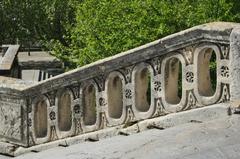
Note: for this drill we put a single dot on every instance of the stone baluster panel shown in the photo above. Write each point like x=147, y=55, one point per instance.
x=165, y=79
x=164, y=84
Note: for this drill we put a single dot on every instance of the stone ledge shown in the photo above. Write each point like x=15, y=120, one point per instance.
x=196, y=115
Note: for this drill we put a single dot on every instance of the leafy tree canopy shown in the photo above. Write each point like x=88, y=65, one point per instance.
x=84, y=31
x=24, y=21
x=104, y=28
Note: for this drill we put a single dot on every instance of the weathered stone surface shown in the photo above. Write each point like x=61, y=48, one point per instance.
x=209, y=136
x=235, y=66
x=14, y=84
x=142, y=83
x=10, y=119
x=13, y=119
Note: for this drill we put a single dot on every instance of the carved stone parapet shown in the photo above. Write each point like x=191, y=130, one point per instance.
x=191, y=69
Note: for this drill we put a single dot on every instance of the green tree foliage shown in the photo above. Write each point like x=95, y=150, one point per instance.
x=36, y=20
x=235, y=10
x=81, y=32
x=108, y=27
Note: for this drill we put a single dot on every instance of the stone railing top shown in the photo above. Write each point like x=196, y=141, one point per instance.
x=8, y=83
x=211, y=32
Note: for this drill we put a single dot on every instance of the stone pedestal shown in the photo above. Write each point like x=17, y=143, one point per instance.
x=235, y=67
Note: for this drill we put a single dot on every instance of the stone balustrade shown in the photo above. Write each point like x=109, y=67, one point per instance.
x=166, y=76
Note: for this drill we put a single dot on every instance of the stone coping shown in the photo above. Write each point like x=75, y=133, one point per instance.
x=211, y=32
x=14, y=83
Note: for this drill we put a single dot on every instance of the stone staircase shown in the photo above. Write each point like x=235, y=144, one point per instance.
x=122, y=90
